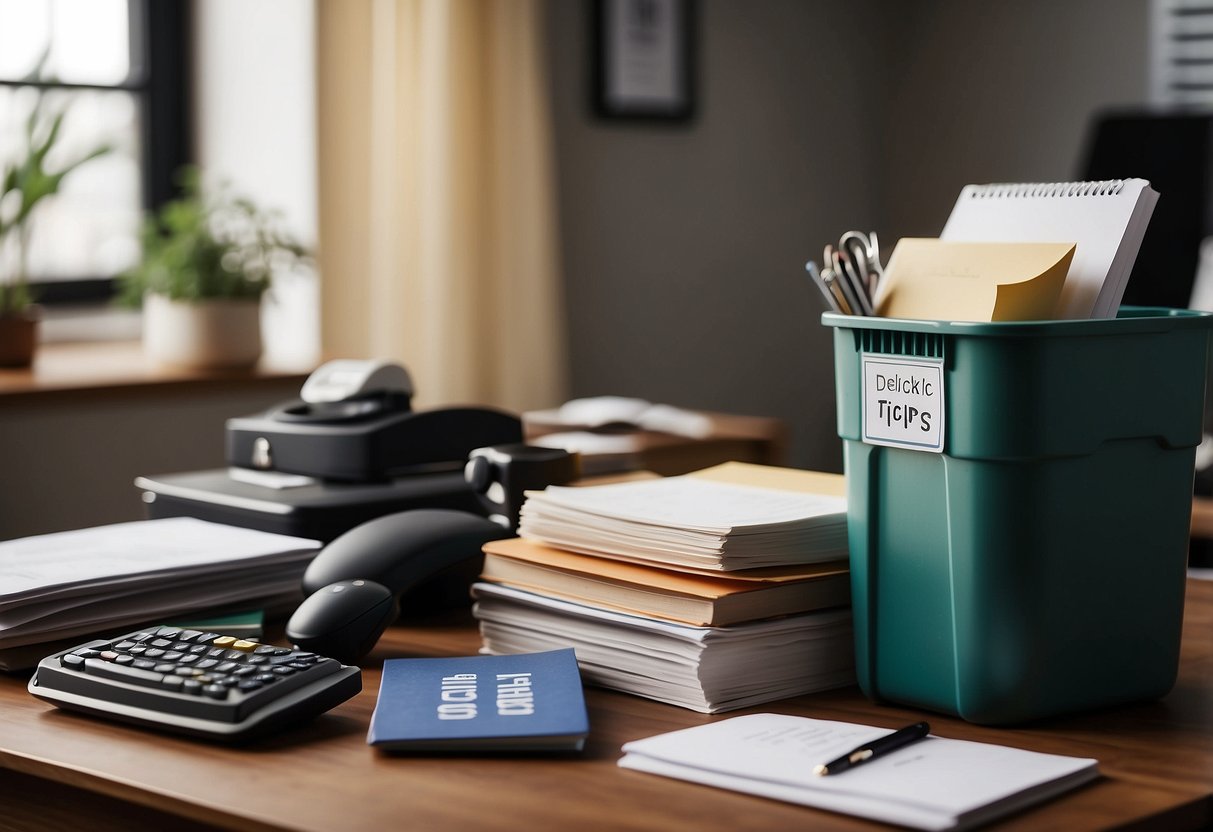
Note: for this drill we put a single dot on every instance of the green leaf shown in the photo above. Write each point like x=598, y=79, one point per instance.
x=209, y=244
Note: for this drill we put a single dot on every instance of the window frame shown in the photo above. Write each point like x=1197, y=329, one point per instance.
x=160, y=82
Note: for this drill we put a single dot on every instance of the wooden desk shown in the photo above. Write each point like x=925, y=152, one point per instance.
x=1156, y=758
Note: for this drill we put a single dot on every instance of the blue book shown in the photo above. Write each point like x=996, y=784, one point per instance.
x=518, y=702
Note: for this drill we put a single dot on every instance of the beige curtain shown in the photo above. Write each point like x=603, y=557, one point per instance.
x=437, y=223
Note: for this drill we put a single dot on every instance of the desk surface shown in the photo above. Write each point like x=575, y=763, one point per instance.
x=1156, y=758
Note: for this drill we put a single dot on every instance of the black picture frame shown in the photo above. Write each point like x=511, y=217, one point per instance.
x=644, y=60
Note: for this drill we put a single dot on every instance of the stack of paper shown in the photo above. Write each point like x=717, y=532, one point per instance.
x=679, y=595
x=77, y=583
x=933, y=784
x=716, y=590
x=706, y=669
x=690, y=521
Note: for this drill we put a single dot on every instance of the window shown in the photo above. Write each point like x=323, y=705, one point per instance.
x=117, y=70
x=1181, y=52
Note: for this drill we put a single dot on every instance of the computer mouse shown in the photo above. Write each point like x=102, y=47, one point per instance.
x=354, y=584
x=401, y=550
x=343, y=620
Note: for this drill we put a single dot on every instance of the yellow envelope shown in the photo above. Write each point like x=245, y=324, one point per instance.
x=937, y=280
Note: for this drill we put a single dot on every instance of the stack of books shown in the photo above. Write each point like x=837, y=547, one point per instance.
x=713, y=591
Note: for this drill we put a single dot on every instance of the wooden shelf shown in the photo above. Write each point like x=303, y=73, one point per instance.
x=69, y=368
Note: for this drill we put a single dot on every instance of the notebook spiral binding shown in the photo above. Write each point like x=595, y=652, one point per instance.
x=1107, y=187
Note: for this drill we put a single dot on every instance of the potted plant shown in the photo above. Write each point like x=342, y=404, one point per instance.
x=25, y=182
x=208, y=259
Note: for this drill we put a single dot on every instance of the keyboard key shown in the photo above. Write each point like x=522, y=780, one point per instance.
x=172, y=682
x=284, y=671
x=199, y=649
x=249, y=684
x=87, y=652
x=143, y=664
x=169, y=632
x=108, y=655
x=227, y=667
x=186, y=672
x=73, y=661
x=225, y=641
x=245, y=646
x=124, y=645
x=137, y=651
x=215, y=652
x=254, y=660
x=173, y=655
x=206, y=638
x=189, y=658
x=153, y=653
x=161, y=642
x=109, y=670
x=235, y=655
x=124, y=659
x=267, y=649
x=141, y=637
x=189, y=635
x=206, y=663
x=165, y=667
x=215, y=691
x=191, y=686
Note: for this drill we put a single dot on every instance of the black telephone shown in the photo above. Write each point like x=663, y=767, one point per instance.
x=354, y=422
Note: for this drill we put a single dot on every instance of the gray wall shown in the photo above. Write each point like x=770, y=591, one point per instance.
x=683, y=247
x=999, y=92
x=70, y=459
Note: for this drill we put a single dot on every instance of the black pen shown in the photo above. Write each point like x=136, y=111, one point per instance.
x=875, y=748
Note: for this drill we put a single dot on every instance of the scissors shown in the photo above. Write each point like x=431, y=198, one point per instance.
x=864, y=252
x=844, y=278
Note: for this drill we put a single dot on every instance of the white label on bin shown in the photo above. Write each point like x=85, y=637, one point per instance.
x=903, y=402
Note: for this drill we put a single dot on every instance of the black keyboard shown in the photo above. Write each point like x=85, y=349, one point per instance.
x=188, y=681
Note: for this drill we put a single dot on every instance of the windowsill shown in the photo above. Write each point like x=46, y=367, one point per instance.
x=91, y=323
x=79, y=367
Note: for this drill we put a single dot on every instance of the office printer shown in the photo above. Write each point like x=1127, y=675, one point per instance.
x=350, y=449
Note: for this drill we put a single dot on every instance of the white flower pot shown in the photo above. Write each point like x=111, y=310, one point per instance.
x=208, y=334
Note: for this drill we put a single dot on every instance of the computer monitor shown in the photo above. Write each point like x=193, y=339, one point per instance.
x=1174, y=151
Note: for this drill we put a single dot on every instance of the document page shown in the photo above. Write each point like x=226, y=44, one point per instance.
x=696, y=504
x=34, y=566
x=934, y=783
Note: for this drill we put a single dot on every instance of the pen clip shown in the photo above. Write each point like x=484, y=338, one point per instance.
x=880, y=746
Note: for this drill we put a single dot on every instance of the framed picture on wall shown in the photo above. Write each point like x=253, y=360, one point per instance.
x=644, y=66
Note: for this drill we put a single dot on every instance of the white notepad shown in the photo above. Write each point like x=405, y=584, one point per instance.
x=937, y=784
x=1106, y=220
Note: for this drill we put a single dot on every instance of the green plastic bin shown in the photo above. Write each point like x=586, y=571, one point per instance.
x=1019, y=515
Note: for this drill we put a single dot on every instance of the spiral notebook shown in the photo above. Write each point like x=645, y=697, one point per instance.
x=1106, y=220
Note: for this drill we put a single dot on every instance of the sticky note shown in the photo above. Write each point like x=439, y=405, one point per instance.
x=951, y=281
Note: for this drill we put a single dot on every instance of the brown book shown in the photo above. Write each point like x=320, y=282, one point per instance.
x=675, y=595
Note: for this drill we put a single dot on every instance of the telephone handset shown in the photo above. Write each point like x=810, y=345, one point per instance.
x=349, y=389
x=349, y=378
x=354, y=423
